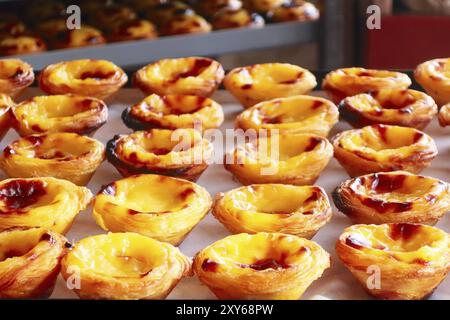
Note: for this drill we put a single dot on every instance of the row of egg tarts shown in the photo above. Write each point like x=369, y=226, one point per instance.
x=413, y=258
x=209, y=264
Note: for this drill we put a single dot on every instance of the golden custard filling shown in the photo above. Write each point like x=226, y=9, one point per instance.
x=405, y=243
x=15, y=75
x=125, y=266
x=191, y=76
x=284, y=158
x=60, y=113
x=298, y=114
x=434, y=77
x=382, y=142
x=173, y=112
x=44, y=202
x=261, y=82
x=405, y=107
x=273, y=208
x=260, y=266
x=160, y=207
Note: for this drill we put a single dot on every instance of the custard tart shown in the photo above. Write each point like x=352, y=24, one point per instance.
x=76, y=38
x=295, y=11
x=30, y=260
x=411, y=260
x=6, y=104
x=159, y=207
x=260, y=82
x=382, y=148
x=189, y=76
x=393, y=197
x=185, y=24
x=110, y=16
x=15, y=76
x=348, y=82
x=212, y=7
x=444, y=115
x=434, y=77
x=402, y=107
x=93, y=78
x=263, y=266
x=137, y=29
x=41, y=202
x=296, y=159
x=181, y=153
x=300, y=211
x=237, y=18
x=21, y=44
x=163, y=12
x=66, y=156
x=297, y=114
x=264, y=5
x=174, y=112
x=59, y=113
x=124, y=266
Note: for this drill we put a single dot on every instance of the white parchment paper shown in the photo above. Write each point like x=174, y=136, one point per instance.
x=336, y=283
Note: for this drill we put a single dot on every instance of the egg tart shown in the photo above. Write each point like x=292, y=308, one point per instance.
x=260, y=82
x=15, y=76
x=296, y=159
x=444, y=115
x=185, y=24
x=348, y=82
x=412, y=259
x=182, y=153
x=93, y=78
x=21, y=44
x=109, y=16
x=212, y=7
x=59, y=113
x=137, y=29
x=237, y=18
x=30, y=260
x=434, y=77
x=41, y=202
x=61, y=155
x=159, y=207
x=402, y=107
x=173, y=112
x=76, y=38
x=298, y=114
x=163, y=12
x=393, y=197
x=125, y=266
x=381, y=148
x=263, y=6
x=263, y=266
x=300, y=211
x=6, y=104
x=189, y=76
x=295, y=11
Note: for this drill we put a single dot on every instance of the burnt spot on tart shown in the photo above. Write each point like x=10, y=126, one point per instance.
x=313, y=143
x=404, y=231
x=20, y=193
x=294, y=80
x=199, y=66
x=96, y=75
x=357, y=242
x=265, y=264
x=209, y=265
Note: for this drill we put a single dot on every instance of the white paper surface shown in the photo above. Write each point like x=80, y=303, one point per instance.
x=336, y=283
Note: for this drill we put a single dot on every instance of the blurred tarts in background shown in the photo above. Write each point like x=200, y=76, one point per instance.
x=93, y=78
x=444, y=115
x=263, y=266
x=381, y=148
x=125, y=266
x=59, y=113
x=393, y=197
x=182, y=153
x=30, y=260
x=300, y=211
x=61, y=155
x=260, y=82
x=196, y=76
x=412, y=259
x=434, y=77
x=41, y=202
x=15, y=76
x=160, y=207
x=173, y=112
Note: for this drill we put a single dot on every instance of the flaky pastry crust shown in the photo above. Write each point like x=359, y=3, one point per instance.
x=434, y=77
x=6, y=104
x=15, y=76
x=444, y=115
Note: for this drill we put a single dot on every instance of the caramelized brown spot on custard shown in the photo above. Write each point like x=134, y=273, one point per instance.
x=247, y=86
x=34, y=140
x=96, y=75
x=209, y=265
x=357, y=242
x=48, y=238
x=383, y=183
x=313, y=143
x=382, y=131
x=316, y=104
x=199, y=66
x=417, y=136
x=266, y=264
x=294, y=80
x=18, y=194
x=404, y=231
x=383, y=206
x=186, y=193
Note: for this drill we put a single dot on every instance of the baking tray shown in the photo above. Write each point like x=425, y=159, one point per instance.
x=336, y=282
